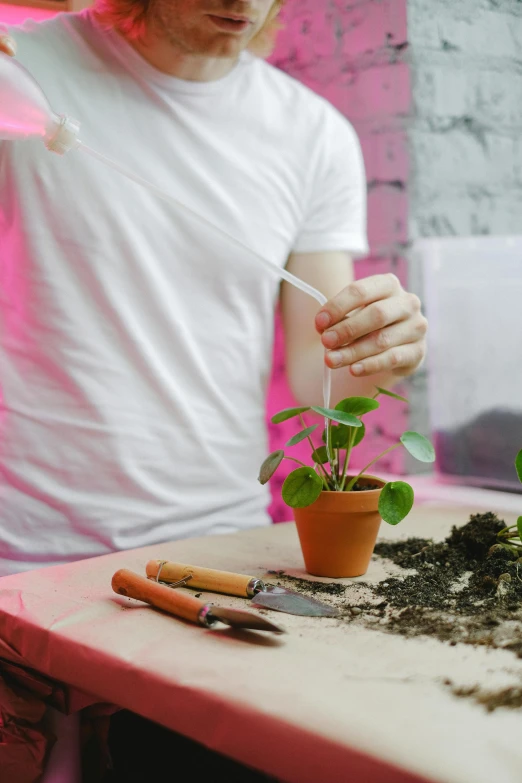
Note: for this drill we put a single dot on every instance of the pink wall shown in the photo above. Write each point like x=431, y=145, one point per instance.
x=352, y=55
x=15, y=14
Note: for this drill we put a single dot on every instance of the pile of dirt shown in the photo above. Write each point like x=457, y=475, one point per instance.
x=465, y=589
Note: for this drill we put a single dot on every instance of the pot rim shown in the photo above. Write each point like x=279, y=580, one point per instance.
x=368, y=491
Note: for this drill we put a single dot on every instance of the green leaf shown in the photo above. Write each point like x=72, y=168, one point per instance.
x=301, y=435
x=339, y=436
x=395, y=501
x=359, y=435
x=519, y=527
x=391, y=394
x=341, y=433
x=270, y=465
x=338, y=416
x=418, y=446
x=287, y=413
x=518, y=465
x=320, y=456
x=357, y=406
x=301, y=488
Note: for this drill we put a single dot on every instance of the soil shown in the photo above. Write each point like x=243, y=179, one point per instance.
x=466, y=589
x=491, y=700
x=316, y=589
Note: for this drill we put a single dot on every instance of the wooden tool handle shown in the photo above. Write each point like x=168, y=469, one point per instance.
x=133, y=585
x=202, y=578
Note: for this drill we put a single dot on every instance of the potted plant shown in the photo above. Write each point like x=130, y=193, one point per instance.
x=337, y=514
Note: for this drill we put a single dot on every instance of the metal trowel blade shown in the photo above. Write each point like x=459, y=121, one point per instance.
x=282, y=600
x=239, y=619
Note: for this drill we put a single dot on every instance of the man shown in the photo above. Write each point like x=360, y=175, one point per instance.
x=136, y=341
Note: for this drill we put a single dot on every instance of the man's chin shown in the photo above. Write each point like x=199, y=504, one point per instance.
x=229, y=49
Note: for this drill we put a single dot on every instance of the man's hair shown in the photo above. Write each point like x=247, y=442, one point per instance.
x=130, y=18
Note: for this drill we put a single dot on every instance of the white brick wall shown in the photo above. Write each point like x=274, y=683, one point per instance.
x=468, y=27
x=465, y=128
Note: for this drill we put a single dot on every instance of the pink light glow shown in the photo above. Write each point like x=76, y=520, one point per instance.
x=16, y=14
x=309, y=47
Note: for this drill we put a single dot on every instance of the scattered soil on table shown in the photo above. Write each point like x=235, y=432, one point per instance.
x=465, y=589
x=315, y=589
x=491, y=700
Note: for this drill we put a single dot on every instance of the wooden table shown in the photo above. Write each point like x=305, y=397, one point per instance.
x=327, y=702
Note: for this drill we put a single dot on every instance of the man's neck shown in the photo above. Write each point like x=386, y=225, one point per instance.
x=165, y=57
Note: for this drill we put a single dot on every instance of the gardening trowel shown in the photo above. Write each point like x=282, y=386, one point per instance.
x=131, y=585
x=261, y=593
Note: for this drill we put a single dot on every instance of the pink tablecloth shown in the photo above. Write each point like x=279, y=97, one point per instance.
x=326, y=702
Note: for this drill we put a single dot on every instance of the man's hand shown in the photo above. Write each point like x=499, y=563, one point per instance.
x=373, y=326
x=7, y=43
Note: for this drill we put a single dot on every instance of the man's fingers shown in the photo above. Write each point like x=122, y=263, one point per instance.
x=357, y=294
x=402, y=360
x=402, y=333
x=375, y=316
x=7, y=42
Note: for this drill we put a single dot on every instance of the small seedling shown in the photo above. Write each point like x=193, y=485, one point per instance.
x=511, y=537
x=344, y=430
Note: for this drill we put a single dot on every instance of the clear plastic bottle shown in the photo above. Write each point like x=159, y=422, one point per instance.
x=25, y=111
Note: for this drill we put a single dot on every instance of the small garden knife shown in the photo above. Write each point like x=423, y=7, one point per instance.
x=131, y=585
x=262, y=594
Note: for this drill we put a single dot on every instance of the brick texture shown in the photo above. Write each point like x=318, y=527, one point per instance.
x=465, y=129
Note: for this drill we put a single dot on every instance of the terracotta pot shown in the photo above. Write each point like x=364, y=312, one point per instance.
x=338, y=532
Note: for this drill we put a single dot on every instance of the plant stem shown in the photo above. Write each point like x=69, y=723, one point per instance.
x=329, y=454
x=326, y=486
x=349, y=447
x=506, y=530
x=513, y=542
x=510, y=537
x=345, y=466
x=387, y=451
x=296, y=460
x=305, y=466
x=309, y=439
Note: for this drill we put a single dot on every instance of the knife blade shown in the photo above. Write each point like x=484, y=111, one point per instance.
x=261, y=593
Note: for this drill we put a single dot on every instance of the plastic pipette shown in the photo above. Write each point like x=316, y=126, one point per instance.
x=25, y=112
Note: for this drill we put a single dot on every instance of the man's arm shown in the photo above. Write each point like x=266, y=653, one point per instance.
x=381, y=340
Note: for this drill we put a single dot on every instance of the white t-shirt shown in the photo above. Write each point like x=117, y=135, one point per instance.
x=135, y=341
